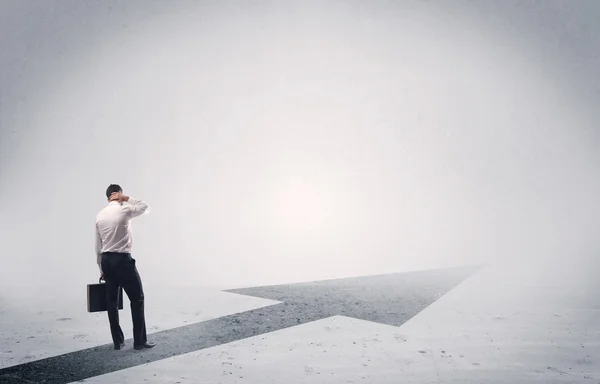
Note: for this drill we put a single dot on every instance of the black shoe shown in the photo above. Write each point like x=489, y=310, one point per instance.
x=119, y=346
x=144, y=346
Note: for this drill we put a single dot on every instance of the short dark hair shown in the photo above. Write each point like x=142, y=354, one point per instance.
x=112, y=189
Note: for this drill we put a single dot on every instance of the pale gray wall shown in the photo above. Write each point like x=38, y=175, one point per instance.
x=286, y=141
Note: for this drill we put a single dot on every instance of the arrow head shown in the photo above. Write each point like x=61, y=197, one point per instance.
x=390, y=299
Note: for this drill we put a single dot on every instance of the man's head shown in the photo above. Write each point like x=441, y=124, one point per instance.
x=113, y=189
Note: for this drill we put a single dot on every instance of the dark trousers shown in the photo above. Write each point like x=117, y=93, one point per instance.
x=119, y=270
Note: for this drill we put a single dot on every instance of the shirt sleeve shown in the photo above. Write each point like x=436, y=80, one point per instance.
x=137, y=207
x=98, y=249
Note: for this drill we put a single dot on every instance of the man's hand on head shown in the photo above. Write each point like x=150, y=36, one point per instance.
x=118, y=196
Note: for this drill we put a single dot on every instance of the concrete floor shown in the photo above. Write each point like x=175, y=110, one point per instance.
x=500, y=325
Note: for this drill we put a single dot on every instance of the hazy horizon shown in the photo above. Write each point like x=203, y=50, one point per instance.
x=291, y=141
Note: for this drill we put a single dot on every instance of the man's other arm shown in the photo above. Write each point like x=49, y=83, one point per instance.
x=98, y=249
x=136, y=207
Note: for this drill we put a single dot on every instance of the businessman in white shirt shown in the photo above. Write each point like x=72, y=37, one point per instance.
x=117, y=267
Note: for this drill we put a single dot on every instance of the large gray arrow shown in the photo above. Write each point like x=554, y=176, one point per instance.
x=389, y=299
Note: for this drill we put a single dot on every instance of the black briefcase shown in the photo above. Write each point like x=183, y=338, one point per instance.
x=96, y=297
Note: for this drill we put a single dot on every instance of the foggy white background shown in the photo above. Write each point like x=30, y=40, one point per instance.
x=298, y=140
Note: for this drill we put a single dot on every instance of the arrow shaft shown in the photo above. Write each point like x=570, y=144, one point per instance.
x=104, y=359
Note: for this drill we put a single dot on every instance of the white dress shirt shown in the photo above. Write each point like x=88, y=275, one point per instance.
x=113, y=226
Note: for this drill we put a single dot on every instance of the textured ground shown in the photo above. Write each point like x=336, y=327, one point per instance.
x=498, y=326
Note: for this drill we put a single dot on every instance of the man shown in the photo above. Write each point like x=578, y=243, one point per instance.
x=117, y=267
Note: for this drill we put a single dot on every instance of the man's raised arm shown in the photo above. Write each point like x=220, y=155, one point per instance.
x=137, y=207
